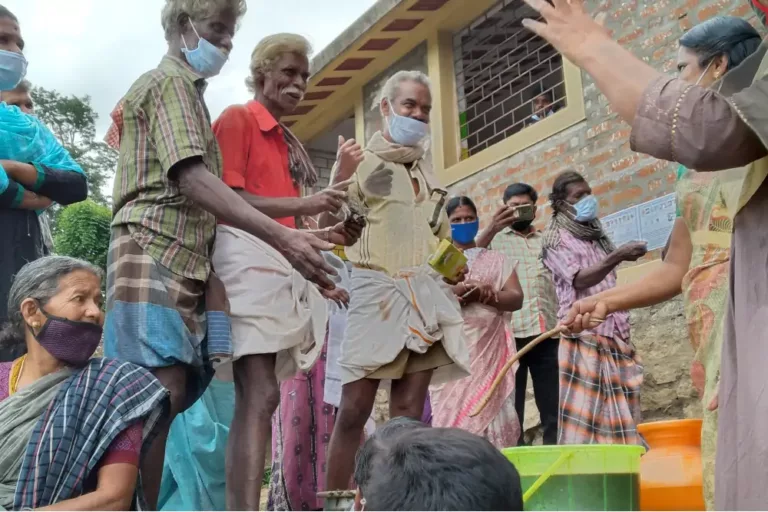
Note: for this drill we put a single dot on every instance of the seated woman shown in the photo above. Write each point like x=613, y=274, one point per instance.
x=488, y=297
x=71, y=427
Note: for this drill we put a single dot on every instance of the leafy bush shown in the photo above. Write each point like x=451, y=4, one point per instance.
x=83, y=232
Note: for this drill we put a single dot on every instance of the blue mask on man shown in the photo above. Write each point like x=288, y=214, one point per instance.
x=465, y=232
x=13, y=69
x=206, y=59
x=586, y=209
x=406, y=131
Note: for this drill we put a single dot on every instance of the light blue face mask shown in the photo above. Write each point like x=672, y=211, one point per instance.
x=586, y=209
x=206, y=59
x=405, y=130
x=13, y=69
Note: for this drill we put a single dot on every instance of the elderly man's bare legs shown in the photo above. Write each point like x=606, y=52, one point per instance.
x=257, y=396
x=174, y=379
x=407, y=398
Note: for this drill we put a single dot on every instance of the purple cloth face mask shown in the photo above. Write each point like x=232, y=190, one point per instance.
x=68, y=341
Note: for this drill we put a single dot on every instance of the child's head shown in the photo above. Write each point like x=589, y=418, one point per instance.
x=412, y=467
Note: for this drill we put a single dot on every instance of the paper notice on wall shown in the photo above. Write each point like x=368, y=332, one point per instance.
x=622, y=227
x=649, y=222
x=657, y=217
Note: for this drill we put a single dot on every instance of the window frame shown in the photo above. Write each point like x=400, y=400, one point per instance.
x=445, y=119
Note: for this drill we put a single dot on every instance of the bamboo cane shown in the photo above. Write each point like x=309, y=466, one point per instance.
x=547, y=335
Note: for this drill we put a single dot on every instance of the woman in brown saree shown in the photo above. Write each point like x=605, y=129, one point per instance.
x=716, y=129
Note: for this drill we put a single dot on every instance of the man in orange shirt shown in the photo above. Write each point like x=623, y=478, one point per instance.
x=278, y=318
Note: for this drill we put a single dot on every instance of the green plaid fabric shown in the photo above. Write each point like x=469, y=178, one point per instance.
x=165, y=121
x=539, y=311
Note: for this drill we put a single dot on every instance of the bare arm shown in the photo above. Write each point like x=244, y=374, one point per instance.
x=275, y=207
x=114, y=491
x=661, y=284
x=594, y=275
x=214, y=196
x=687, y=124
x=510, y=297
x=486, y=236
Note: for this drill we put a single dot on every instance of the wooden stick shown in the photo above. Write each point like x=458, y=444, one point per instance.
x=547, y=335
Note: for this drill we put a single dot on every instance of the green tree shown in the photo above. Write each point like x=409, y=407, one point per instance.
x=83, y=232
x=73, y=121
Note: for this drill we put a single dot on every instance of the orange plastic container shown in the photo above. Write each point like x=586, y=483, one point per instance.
x=670, y=473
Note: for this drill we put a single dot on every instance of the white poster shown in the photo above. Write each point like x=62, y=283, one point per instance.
x=649, y=222
x=657, y=217
x=622, y=227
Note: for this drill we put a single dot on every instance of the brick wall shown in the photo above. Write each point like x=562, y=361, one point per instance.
x=323, y=162
x=599, y=149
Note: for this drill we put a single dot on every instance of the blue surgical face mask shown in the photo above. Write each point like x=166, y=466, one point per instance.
x=206, y=59
x=406, y=131
x=465, y=233
x=586, y=209
x=13, y=69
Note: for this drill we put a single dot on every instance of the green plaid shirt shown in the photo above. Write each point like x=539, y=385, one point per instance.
x=539, y=311
x=165, y=121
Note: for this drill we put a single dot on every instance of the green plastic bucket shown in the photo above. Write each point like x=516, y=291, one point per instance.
x=579, y=477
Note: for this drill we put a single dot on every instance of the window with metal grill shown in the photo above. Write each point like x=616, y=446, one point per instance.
x=507, y=78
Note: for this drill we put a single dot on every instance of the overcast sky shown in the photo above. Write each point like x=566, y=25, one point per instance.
x=99, y=47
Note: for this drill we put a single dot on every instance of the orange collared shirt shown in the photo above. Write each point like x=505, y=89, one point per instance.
x=255, y=153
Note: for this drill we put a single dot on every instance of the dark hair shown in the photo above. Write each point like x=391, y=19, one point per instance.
x=521, y=189
x=380, y=440
x=5, y=13
x=560, y=187
x=457, y=201
x=730, y=36
x=548, y=95
x=442, y=469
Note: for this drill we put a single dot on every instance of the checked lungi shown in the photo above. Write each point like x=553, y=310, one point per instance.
x=600, y=380
x=156, y=318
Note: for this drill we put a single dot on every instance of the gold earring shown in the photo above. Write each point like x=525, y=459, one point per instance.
x=35, y=325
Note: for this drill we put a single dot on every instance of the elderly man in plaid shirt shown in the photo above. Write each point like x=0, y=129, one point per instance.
x=166, y=310
x=519, y=241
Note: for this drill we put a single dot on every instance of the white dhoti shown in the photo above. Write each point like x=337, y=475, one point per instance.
x=273, y=309
x=408, y=316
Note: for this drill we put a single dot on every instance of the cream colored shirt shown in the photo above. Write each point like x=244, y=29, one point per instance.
x=398, y=234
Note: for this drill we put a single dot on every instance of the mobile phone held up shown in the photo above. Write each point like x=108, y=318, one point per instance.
x=523, y=212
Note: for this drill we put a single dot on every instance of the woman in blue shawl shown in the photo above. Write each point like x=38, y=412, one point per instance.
x=35, y=171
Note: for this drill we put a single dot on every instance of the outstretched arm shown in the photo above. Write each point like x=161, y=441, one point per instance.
x=671, y=119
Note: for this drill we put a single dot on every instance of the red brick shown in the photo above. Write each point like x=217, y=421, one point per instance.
x=635, y=34
x=598, y=129
x=625, y=163
x=626, y=9
x=628, y=195
x=554, y=152
x=712, y=10
x=659, y=54
x=601, y=158
x=604, y=188
x=685, y=24
x=621, y=135
x=742, y=10
x=658, y=39
x=653, y=9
